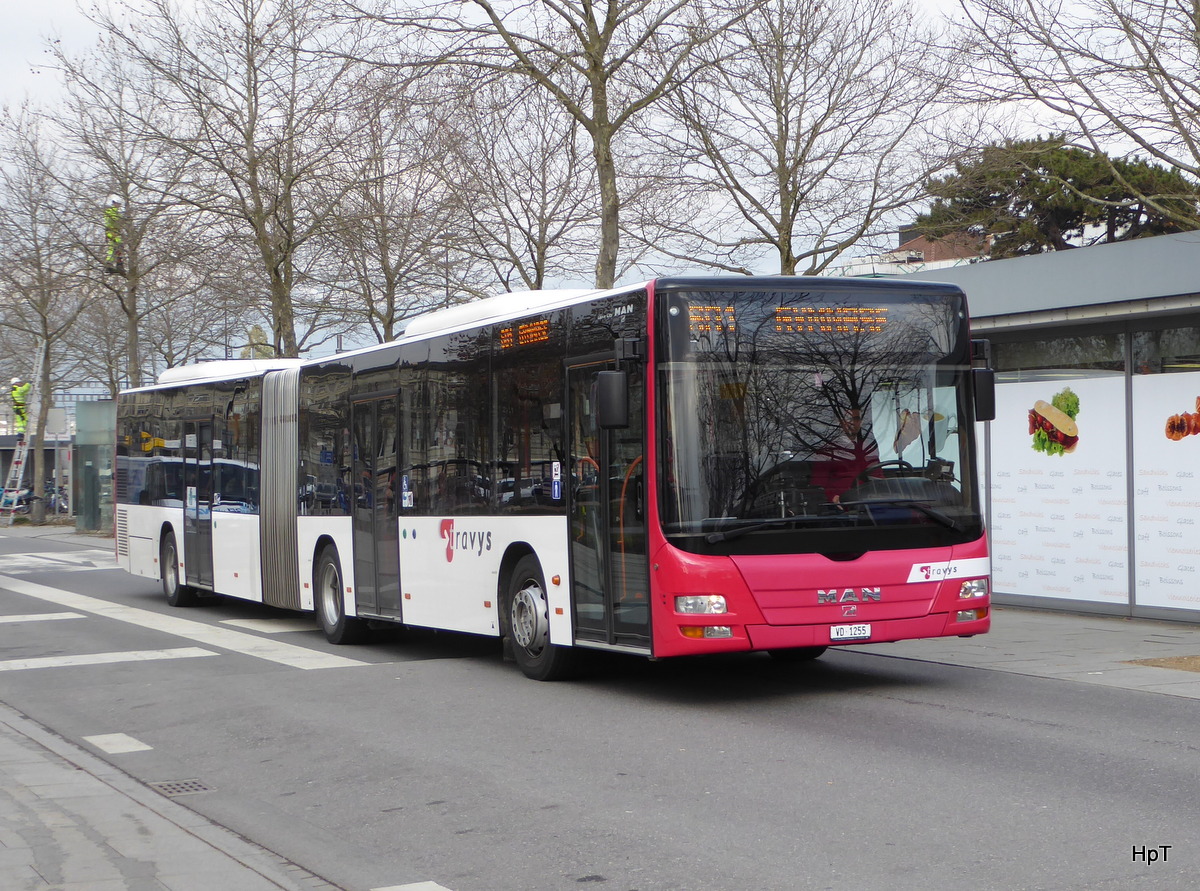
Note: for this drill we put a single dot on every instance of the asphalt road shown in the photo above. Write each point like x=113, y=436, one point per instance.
x=427, y=758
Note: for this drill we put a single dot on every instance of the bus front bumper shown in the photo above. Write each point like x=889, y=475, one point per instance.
x=962, y=623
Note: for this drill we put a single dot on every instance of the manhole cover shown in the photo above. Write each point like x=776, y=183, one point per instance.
x=171, y=788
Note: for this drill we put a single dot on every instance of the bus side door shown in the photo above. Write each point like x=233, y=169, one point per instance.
x=605, y=480
x=197, y=505
x=375, y=493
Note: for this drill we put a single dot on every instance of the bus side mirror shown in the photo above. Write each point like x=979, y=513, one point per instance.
x=984, y=384
x=612, y=399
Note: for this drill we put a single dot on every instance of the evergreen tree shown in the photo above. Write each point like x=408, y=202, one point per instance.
x=1039, y=195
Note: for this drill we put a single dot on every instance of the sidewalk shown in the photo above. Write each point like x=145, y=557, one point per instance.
x=1137, y=654
x=71, y=821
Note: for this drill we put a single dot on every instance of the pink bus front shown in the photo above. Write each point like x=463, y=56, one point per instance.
x=812, y=460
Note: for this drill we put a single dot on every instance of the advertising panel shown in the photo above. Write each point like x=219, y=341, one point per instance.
x=1166, y=501
x=1059, y=490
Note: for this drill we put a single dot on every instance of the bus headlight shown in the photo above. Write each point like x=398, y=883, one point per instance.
x=973, y=588
x=703, y=604
x=706, y=632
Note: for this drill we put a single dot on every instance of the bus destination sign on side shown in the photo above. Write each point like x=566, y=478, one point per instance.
x=524, y=334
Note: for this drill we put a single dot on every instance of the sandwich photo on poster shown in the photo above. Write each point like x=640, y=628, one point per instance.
x=1052, y=424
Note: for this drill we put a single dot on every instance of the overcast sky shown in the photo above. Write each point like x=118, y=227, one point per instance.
x=26, y=25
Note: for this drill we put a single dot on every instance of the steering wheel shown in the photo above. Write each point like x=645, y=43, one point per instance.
x=866, y=472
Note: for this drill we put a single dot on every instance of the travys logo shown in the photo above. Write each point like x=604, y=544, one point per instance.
x=473, y=542
x=950, y=569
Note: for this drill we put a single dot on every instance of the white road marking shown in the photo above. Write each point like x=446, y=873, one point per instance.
x=210, y=635
x=117, y=743
x=273, y=626
x=67, y=561
x=414, y=886
x=39, y=617
x=103, y=658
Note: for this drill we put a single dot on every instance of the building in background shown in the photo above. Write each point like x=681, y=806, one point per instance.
x=916, y=254
x=1109, y=523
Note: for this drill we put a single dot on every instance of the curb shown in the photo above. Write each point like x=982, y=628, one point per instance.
x=268, y=866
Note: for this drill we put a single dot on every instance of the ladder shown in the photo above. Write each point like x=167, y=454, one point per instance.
x=12, y=485
x=16, y=470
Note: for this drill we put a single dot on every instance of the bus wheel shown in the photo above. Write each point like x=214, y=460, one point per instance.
x=797, y=654
x=529, y=625
x=330, y=604
x=178, y=594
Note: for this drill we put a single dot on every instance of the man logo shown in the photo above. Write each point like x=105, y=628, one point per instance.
x=849, y=595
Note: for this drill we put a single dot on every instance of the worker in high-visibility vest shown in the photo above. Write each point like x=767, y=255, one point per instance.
x=114, y=258
x=20, y=402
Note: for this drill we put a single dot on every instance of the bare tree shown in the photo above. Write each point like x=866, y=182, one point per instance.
x=391, y=248
x=247, y=92
x=161, y=241
x=603, y=63
x=215, y=323
x=808, y=128
x=526, y=185
x=99, y=348
x=41, y=273
x=1120, y=74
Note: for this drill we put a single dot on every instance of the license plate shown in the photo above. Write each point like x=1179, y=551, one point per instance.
x=850, y=632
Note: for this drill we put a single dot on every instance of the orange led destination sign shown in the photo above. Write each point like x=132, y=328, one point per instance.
x=722, y=319
x=525, y=334
x=709, y=319
x=830, y=319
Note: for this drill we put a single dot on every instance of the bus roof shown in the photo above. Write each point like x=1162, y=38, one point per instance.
x=514, y=305
x=491, y=309
x=222, y=369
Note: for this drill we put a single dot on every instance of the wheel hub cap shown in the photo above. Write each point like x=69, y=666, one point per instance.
x=529, y=619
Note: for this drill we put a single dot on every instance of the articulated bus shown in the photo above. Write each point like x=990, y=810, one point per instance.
x=686, y=466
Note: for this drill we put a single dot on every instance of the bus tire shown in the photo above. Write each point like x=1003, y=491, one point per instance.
x=329, y=602
x=797, y=654
x=527, y=611
x=178, y=594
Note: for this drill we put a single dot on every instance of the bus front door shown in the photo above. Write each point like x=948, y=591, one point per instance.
x=197, y=505
x=609, y=573
x=375, y=507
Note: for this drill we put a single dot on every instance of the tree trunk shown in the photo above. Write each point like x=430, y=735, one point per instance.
x=610, y=207
x=283, y=321
x=133, y=344
x=787, y=257
x=37, y=513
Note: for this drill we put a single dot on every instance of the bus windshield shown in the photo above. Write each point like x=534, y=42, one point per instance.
x=820, y=419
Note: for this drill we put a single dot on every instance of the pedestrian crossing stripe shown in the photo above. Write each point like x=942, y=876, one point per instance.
x=77, y=659
x=197, y=632
x=67, y=561
x=38, y=617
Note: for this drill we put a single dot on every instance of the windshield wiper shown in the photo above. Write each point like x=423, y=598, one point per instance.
x=739, y=531
x=929, y=511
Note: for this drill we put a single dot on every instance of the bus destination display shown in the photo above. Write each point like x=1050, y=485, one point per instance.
x=717, y=319
x=525, y=334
